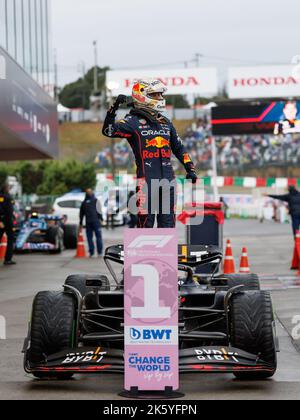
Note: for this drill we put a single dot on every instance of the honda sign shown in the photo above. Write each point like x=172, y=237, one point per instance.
x=198, y=81
x=263, y=82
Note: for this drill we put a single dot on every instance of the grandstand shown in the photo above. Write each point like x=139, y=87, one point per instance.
x=236, y=155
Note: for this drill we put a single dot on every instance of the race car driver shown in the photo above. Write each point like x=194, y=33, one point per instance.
x=152, y=138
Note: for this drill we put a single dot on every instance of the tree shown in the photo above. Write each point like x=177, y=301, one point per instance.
x=30, y=175
x=61, y=177
x=177, y=101
x=3, y=174
x=77, y=94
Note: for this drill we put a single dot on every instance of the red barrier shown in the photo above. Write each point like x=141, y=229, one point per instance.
x=209, y=209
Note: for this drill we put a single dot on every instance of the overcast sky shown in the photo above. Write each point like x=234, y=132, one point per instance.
x=136, y=33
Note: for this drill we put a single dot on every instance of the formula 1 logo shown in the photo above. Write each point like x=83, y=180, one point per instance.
x=155, y=240
x=84, y=357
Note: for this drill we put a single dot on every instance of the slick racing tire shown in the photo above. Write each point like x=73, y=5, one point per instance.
x=55, y=237
x=70, y=236
x=78, y=281
x=52, y=328
x=249, y=281
x=252, y=329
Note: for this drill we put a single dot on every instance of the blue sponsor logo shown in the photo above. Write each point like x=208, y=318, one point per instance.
x=150, y=364
x=150, y=334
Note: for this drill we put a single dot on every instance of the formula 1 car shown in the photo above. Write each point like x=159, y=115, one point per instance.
x=226, y=323
x=46, y=233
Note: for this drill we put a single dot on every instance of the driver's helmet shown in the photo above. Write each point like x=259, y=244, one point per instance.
x=143, y=91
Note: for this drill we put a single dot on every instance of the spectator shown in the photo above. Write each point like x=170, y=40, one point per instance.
x=234, y=152
x=6, y=222
x=293, y=200
x=90, y=211
x=225, y=207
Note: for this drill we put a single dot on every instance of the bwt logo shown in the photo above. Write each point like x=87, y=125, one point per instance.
x=157, y=241
x=2, y=328
x=150, y=334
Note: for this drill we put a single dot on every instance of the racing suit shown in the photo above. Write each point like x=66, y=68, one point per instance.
x=152, y=138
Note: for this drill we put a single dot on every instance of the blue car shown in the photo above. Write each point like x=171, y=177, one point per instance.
x=46, y=233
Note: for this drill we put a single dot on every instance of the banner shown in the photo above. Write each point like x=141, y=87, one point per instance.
x=28, y=116
x=151, y=309
x=264, y=82
x=278, y=118
x=196, y=81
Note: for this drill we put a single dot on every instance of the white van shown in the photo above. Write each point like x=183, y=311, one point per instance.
x=69, y=205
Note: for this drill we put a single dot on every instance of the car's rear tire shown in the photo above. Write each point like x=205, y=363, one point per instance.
x=252, y=329
x=70, y=236
x=52, y=328
x=78, y=281
x=249, y=281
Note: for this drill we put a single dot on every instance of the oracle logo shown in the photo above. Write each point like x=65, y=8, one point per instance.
x=171, y=81
x=265, y=81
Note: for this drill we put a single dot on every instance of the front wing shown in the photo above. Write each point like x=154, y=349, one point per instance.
x=204, y=359
x=44, y=246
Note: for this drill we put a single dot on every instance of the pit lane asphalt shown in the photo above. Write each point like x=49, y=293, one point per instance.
x=270, y=249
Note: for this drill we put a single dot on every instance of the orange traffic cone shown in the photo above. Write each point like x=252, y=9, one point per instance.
x=80, y=246
x=244, y=266
x=229, y=267
x=296, y=259
x=3, y=247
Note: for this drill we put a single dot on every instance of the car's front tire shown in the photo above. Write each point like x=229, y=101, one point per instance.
x=252, y=330
x=52, y=328
x=55, y=236
x=70, y=236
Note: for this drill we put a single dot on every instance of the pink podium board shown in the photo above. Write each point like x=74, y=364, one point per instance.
x=151, y=309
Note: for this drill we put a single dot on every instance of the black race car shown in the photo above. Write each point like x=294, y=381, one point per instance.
x=226, y=323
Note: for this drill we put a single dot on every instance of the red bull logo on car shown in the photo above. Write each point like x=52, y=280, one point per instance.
x=158, y=142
